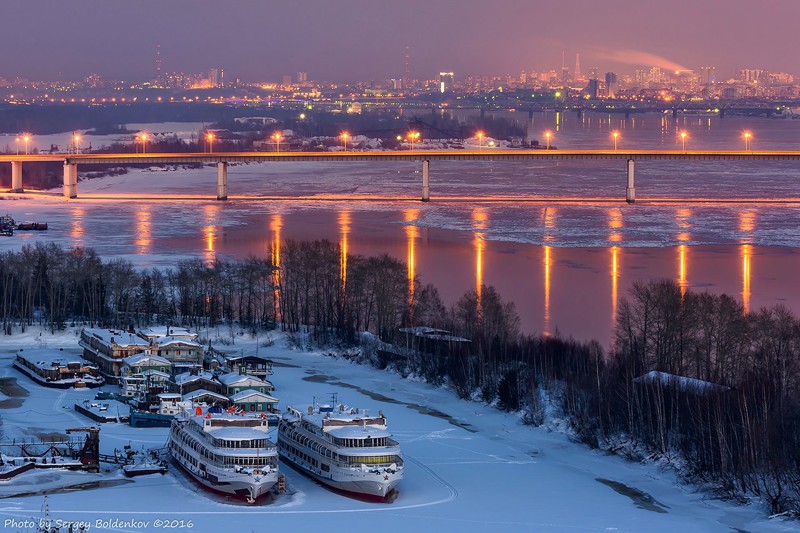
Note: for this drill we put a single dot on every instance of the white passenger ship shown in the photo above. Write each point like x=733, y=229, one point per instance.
x=226, y=453
x=343, y=448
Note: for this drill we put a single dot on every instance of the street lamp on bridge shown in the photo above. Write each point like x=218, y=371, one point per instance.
x=27, y=139
x=210, y=138
x=480, y=136
x=747, y=137
x=143, y=138
x=412, y=136
x=615, y=134
x=76, y=139
x=277, y=137
x=547, y=136
x=683, y=140
x=344, y=136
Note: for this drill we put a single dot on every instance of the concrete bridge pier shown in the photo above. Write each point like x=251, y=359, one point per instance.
x=70, y=180
x=16, y=176
x=222, y=180
x=630, y=191
x=426, y=180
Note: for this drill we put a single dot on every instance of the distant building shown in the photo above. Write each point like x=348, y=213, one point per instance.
x=446, y=82
x=611, y=85
x=108, y=347
x=302, y=77
x=235, y=383
x=287, y=81
x=213, y=78
x=592, y=88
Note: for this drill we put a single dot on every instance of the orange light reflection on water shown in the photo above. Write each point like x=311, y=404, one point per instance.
x=747, y=224
x=77, y=230
x=412, y=232
x=276, y=225
x=344, y=220
x=144, y=230
x=479, y=222
x=211, y=218
x=683, y=222
x=614, y=283
x=547, y=266
x=746, y=252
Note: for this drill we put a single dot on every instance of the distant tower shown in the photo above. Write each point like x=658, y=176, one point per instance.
x=577, y=66
x=158, y=61
x=407, y=68
x=564, y=69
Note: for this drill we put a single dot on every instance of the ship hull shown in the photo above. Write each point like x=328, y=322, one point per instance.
x=245, y=490
x=369, y=485
x=372, y=490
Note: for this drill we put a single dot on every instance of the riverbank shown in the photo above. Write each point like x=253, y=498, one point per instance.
x=469, y=466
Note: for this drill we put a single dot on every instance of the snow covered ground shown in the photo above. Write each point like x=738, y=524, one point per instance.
x=469, y=468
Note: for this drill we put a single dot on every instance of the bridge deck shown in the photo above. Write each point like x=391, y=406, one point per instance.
x=411, y=155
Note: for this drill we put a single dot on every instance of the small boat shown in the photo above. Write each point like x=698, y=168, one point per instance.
x=32, y=226
x=151, y=465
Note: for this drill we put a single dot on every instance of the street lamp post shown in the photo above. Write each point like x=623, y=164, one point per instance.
x=277, y=138
x=547, y=136
x=683, y=140
x=480, y=140
x=345, y=135
x=747, y=136
x=27, y=139
x=144, y=143
x=616, y=137
x=411, y=136
x=210, y=138
x=76, y=143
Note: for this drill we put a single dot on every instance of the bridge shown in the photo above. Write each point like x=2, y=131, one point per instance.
x=627, y=159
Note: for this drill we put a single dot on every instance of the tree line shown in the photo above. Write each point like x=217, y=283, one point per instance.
x=691, y=378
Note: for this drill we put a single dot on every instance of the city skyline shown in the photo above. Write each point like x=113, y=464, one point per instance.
x=357, y=40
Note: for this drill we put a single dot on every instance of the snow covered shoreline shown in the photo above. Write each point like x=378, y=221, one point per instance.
x=474, y=469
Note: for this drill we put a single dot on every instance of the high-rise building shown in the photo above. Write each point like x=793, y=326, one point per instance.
x=577, y=66
x=611, y=85
x=287, y=81
x=710, y=74
x=302, y=77
x=523, y=78
x=446, y=82
x=594, y=73
x=593, y=88
x=158, y=62
x=213, y=77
